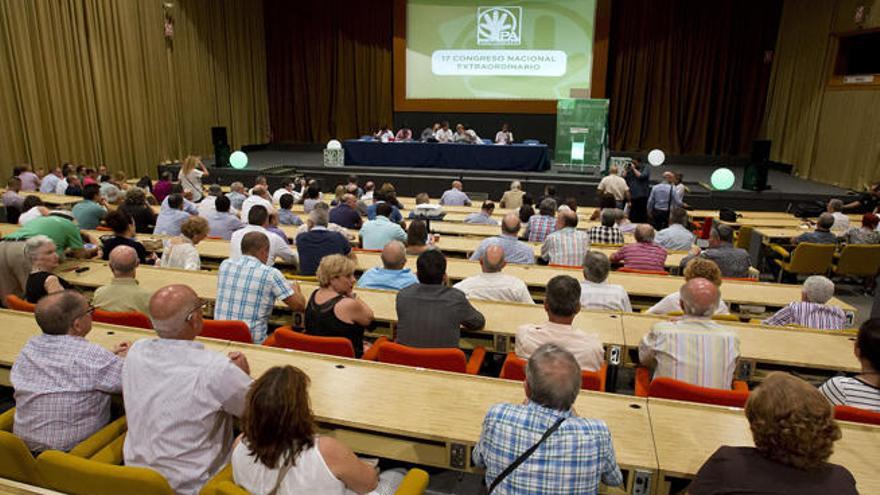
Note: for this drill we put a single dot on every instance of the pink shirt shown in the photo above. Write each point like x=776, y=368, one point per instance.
x=641, y=256
x=586, y=347
x=29, y=181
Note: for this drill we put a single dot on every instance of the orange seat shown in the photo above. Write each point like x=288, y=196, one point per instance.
x=857, y=415
x=19, y=304
x=103, y=228
x=552, y=265
x=436, y=359
x=514, y=368
x=126, y=318
x=668, y=388
x=644, y=272
x=705, y=228
x=362, y=250
x=227, y=330
x=288, y=338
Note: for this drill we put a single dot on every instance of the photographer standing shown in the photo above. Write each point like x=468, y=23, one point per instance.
x=638, y=178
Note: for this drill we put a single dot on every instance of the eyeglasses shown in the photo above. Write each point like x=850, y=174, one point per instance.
x=88, y=311
x=189, y=314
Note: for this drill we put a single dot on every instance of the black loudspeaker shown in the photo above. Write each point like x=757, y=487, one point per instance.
x=221, y=146
x=755, y=176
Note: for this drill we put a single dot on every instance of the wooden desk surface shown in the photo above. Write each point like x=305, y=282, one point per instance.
x=814, y=349
x=759, y=215
x=51, y=199
x=687, y=434
x=781, y=233
x=768, y=222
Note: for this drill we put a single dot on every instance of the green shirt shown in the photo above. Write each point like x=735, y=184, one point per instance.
x=62, y=231
x=123, y=294
x=88, y=214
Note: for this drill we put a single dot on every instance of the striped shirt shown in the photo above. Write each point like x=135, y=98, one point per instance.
x=566, y=247
x=850, y=391
x=540, y=226
x=697, y=351
x=810, y=315
x=601, y=234
x=641, y=256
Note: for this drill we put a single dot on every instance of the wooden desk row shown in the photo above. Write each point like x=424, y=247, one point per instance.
x=434, y=418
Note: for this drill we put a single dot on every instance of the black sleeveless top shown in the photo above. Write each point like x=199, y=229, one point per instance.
x=35, y=288
x=321, y=321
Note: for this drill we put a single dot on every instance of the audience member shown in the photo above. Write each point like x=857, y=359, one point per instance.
x=259, y=197
x=867, y=202
x=207, y=205
x=369, y=191
x=812, y=311
x=123, y=294
x=515, y=251
x=32, y=208
x=867, y=233
x=180, y=398
x=596, y=292
x=562, y=304
x=822, y=234
x=237, y=195
x=696, y=268
x=380, y=198
x=190, y=176
x=61, y=186
x=794, y=431
x=676, y=237
x=455, y=196
x=616, y=186
x=139, y=210
x=417, y=238
x=171, y=219
x=841, y=220
x=579, y=454
x=162, y=187
x=733, y=261
x=662, y=200
x=527, y=210
x=334, y=309
x=258, y=220
x=180, y=251
x=544, y=223
x=643, y=254
x=607, y=232
x=123, y=235
x=549, y=193
x=74, y=186
x=12, y=201
x=424, y=210
x=638, y=178
x=111, y=190
x=285, y=214
x=311, y=198
x=391, y=275
x=353, y=184
x=346, y=213
x=504, y=136
x=376, y=233
x=188, y=206
x=484, y=216
x=693, y=349
x=430, y=313
x=493, y=285
x=30, y=182
x=332, y=227
x=863, y=389
x=566, y=245
x=512, y=198
x=289, y=187
x=222, y=223
x=90, y=211
x=319, y=242
x=606, y=202
x=247, y=287
x=50, y=181
x=63, y=383
x=40, y=251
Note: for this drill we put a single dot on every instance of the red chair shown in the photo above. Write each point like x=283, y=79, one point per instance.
x=227, y=330
x=644, y=272
x=705, y=228
x=19, y=304
x=288, y=338
x=667, y=388
x=103, y=228
x=572, y=267
x=856, y=415
x=514, y=368
x=126, y=318
x=362, y=250
x=436, y=359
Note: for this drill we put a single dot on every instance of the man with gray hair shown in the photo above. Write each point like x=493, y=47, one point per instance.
x=180, y=398
x=573, y=455
x=841, y=220
x=812, y=311
x=693, y=349
x=676, y=237
x=454, y=196
x=391, y=275
x=733, y=261
x=544, y=223
x=515, y=251
x=616, y=186
x=644, y=254
x=62, y=382
x=567, y=245
x=123, y=293
x=822, y=234
x=512, y=198
x=318, y=242
x=237, y=195
x=562, y=305
x=607, y=232
x=493, y=285
x=662, y=200
x=596, y=292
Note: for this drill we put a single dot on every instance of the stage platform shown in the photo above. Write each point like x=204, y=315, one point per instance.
x=278, y=163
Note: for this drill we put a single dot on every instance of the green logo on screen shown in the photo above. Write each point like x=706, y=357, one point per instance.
x=499, y=26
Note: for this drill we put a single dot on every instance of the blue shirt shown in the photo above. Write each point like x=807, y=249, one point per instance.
x=574, y=459
x=396, y=217
x=223, y=224
x=50, y=182
x=247, y=290
x=344, y=216
x=480, y=218
x=313, y=245
x=385, y=279
x=454, y=197
x=376, y=233
x=663, y=197
x=287, y=217
x=515, y=251
x=188, y=206
x=236, y=199
x=169, y=221
x=639, y=187
x=88, y=214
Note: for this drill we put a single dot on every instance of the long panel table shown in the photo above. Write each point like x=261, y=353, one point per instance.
x=519, y=157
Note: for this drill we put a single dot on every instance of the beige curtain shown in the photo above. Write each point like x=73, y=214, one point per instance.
x=95, y=81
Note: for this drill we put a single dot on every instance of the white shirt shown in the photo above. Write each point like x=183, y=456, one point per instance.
x=586, y=347
x=179, y=402
x=675, y=238
x=495, y=287
x=277, y=246
x=180, y=253
x=604, y=296
x=61, y=188
x=252, y=200
x=443, y=136
x=614, y=185
x=672, y=303
x=841, y=223
x=276, y=196
x=29, y=215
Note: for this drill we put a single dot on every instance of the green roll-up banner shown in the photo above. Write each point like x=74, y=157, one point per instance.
x=581, y=134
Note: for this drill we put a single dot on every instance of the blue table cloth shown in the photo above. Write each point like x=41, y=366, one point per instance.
x=521, y=157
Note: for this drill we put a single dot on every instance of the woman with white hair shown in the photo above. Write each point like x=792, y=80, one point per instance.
x=180, y=251
x=43, y=256
x=812, y=311
x=512, y=198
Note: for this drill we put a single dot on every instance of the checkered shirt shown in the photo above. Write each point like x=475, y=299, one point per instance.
x=574, y=459
x=601, y=234
x=566, y=247
x=540, y=226
x=247, y=290
x=62, y=391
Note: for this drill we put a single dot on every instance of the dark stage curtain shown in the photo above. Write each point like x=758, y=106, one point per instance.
x=689, y=76
x=329, y=68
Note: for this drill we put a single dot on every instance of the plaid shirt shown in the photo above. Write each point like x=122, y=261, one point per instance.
x=62, y=390
x=247, y=290
x=601, y=234
x=540, y=226
x=572, y=460
x=810, y=315
x=566, y=247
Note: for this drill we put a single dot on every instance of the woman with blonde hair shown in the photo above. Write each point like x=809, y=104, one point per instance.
x=334, y=309
x=180, y=251
x=696, y=268
x=190, y=176
x=794, y=433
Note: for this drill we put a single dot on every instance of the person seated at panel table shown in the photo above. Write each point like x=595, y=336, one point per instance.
x=258, y=221
x=429, y=133
x=562, y=304
x=32, y=207
x=123, y=235
x=607, y=232
x=794, y=431
x=512, y=198
x=444, y=133
x=334, y=309
x=404, y=134
x=180, y=251
x=596, y=292
x=812, y=311
x=391, y=275
x=504, y=136
x=866, y=234
x=319, y=242
x=493, y=285
x=123, y=293
x=425, y=210
x=577, y=456
x=693, y=348
x=676, y=237
x=384, y=134
x=40, y=250
x=566, y=245
x=484, y=216
x=643, y=254
x=417, y=238
x=280, y=446
x=430, y=314
x=381, y=230
x=862, y=390
x=222, y=223
x=515, y=251
x=696, y=268
x=733, y=261
x=464, y=134
x=63, y=384
x=822, y=234
x=616, y=186
x=454, y=195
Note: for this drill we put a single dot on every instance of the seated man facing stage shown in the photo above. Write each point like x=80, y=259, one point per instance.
x=391, y=275
x=258, y=220
x=346, y=213
x=493, y=285
x=567, y=245
x=596, y=292
x=542, y=224
x=484, y=216
x=123, y=293
x=319, y=242
x=454, y=196
x=676, y=237
x=812, y=311
x=822, y=234
x=376, y=233
x=733, y=261
x=515, y=251
x=607, y=232
x=512, y=198
x=644, y=254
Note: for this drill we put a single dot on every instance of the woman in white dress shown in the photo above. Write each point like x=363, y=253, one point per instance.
x=180, y=251
x=190, y=176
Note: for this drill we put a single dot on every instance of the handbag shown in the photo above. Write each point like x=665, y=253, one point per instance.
x=525, y=455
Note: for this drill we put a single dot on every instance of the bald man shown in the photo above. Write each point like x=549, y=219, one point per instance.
x=515, y=251
x=566, y=245
x=391, y=275
x=693, y=349
x=663, y=198
x=491, y=284
x=644, y=254
x=455, y=196
x=180, y=399
x=123, y=293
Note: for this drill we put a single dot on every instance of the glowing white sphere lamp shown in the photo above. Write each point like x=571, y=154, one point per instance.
x=656, y=157
x=723, y=179
x=238, y=160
